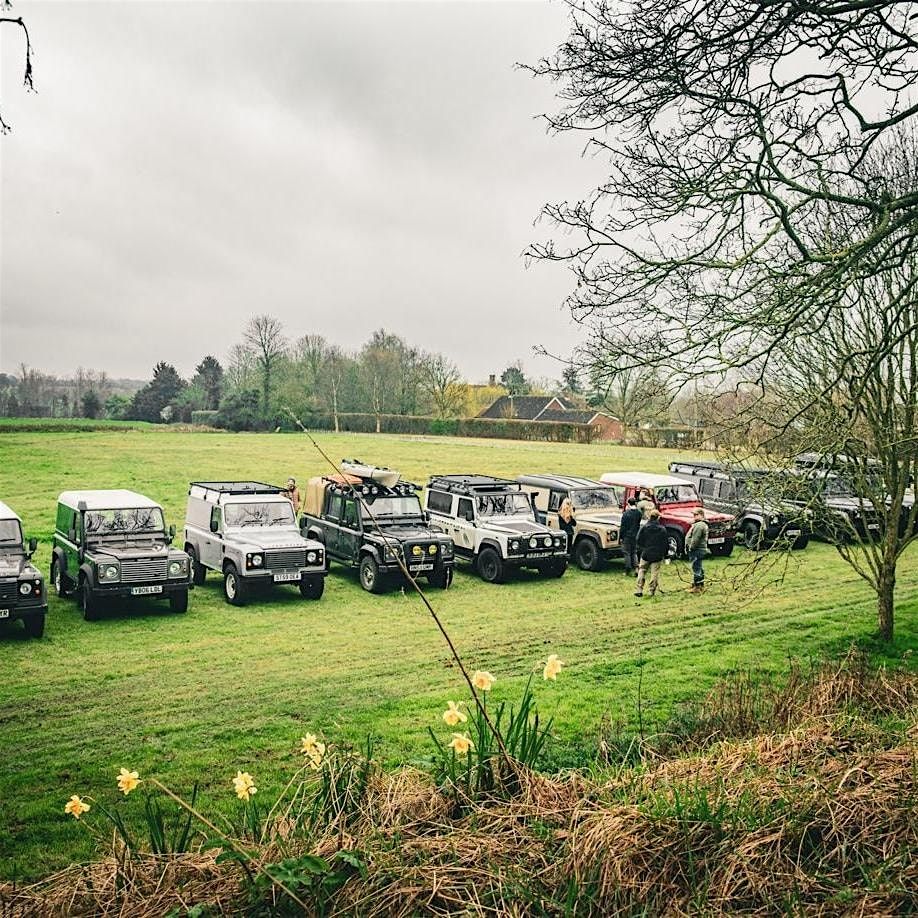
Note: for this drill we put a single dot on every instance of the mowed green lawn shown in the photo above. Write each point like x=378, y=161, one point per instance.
x=195, y=697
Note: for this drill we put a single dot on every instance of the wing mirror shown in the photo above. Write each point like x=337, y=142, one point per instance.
x=469, y=516
x=214, y=526
x=171, y=532
x=71, y=535
x=33, y=546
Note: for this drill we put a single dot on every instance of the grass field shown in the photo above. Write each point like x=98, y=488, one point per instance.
x=196, y=697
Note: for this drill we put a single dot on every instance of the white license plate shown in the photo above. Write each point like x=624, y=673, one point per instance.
x=146, y=591
x=793, y=533
x=539, y=554
x=718, y=541
x=4, y=613
x=420, y=567
x=873, y=525
x=286, y=577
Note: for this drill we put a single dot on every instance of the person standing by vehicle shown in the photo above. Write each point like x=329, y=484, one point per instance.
x=696, y=545
x=653, y=545
x=631, y=524
x=293, y=495
x=646, y=503
x=567, y=522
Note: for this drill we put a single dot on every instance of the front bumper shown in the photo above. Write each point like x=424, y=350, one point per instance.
x=18, y=611
x=418, y=568
x=534, y=556
x=152, y=588
x=281, y=577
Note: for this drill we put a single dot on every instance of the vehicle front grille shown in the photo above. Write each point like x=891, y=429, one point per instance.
x=424, y=557
x=143, y=569
x=9, y=589
x=285, y=559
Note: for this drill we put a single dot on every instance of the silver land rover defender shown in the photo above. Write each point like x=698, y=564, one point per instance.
x=247, y=532
x=492, y=524
x=22, y=587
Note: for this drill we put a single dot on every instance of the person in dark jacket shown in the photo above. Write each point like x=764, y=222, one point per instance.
x=631, y=524
x=696, y=545
x=653, y=545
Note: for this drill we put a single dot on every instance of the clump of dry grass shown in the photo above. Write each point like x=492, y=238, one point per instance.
x=817, y=813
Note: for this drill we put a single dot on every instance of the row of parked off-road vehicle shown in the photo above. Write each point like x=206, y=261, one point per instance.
x=115, y=544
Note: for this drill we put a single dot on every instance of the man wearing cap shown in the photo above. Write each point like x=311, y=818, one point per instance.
x=696, y=545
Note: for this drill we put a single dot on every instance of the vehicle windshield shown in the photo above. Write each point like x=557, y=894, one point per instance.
x=514, y=503
x=124, y=521
x=676, y=494
x=406, y=505
x=10, y=533
x=261, y=513
x=596, y=499
x=833, y=486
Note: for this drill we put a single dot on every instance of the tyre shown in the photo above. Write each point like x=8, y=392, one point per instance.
x=34, y=625
x=676, y=543
x=725, y=550
x=198, y=571
x=233, y=586
x=490, y=566
x=801, y=543
x=370, y=578
x=554, y=568
x=57, y=578
x=312, y=587
x=441, y=579
x=89, y=602
x=178, y=601
x=751, y=534
x=588, y=555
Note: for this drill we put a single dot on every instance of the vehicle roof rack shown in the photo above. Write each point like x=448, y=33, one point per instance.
x=239, y=487
x=473, y=484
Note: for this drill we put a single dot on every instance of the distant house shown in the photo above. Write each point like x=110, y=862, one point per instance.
x=552, y=408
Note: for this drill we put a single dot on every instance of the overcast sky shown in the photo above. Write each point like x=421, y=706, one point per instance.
x=342, y=166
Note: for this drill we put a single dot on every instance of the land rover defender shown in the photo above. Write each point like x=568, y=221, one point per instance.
x=22, y=587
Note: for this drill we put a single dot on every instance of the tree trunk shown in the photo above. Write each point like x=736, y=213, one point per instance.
x=886, y=589
x=335, y=406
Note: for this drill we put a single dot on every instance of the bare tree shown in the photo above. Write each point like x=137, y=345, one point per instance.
x=27, y=76
x=635, y=395
x=443, y=384
x=264, y=339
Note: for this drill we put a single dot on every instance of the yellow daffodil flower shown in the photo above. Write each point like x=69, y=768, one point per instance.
x=244, y=785
x=452, y=715
x=127, y=781
x=313, y=750
x=76, y=807
x=482, y=680
x=461, y=743
x=552, y=667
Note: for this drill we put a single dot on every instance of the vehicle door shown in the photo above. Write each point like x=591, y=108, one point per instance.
x=331, y=521
x=550, y=518
x=350, y=533
x=540, y=502
x=69, y=538
x=464, y=526
x=709, y=489
x=212, y=540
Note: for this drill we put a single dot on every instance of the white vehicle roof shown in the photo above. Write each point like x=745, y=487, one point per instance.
x=642, y=479
x=8, y=513
x=117, y=499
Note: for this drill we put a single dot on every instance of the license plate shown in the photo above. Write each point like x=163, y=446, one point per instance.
x=793, y=533
x=717, y=541
x=420, y=567
x=286, y=577
x=539, y=554
x=4, y=613
x=873, y=525
x=146, y=591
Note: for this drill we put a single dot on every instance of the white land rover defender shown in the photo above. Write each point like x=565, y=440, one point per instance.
x=247, y=531
x=492, y=524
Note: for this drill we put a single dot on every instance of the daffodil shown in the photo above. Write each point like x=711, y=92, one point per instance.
x=127, y=781
x=452, y=715
x=461, y=743
x=482, y=680
x=76, y=807
x=313, y=750
x=244, y=785
x=552, y=667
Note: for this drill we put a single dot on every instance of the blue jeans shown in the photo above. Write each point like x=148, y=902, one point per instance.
x=696, y=557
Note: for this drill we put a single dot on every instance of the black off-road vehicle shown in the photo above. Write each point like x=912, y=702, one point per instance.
x=22, y=588
x=386, y=524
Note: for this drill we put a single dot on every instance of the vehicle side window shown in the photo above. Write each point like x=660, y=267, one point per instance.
x=78, y=527
x=555, y=500
x=335, y=506
x=439, y=501
x=215, y=518
x=351, y=516
x=465, y=510
x=707, y=487
x=727, y=490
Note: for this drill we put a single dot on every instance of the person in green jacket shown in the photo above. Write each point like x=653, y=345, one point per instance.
x=696, y=545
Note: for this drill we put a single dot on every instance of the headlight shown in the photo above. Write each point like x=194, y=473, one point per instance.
x=432, y=550
x=25, y=588
x=775, y=520
x=559, y=542
x=109, y=572
x=533, y=542
x=391, y=552
x=176, y=568
x=254, y=560
x=311, y=557
x=546, y=541
x=417, y=551
x=515, y=545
